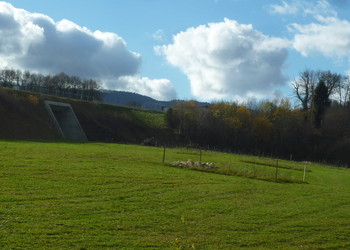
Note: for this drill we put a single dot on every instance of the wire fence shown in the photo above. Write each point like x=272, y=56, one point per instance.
x=72, y=93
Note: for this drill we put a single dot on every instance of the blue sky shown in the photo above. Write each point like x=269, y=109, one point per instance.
x=188, y=49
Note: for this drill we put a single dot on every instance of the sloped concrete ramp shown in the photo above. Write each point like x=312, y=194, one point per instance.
x=64, y=118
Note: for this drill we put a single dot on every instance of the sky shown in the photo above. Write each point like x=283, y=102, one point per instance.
x=206, y=50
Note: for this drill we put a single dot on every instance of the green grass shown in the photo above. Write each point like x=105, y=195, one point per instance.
x=260, y=168
x=150, y=118
x=298, y=166
x=153, y=119
x=93, y=196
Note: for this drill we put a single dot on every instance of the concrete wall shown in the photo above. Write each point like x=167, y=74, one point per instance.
x=67, y=123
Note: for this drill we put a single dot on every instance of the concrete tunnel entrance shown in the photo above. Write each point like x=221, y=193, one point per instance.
x=65, y=120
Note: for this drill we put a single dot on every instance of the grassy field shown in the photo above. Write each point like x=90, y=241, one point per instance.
x=93, y=196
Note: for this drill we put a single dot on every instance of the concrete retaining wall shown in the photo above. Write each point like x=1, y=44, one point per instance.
x=67, y=123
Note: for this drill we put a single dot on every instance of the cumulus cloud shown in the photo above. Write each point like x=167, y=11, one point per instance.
x=228, y=60
x=159, y=89
x=35, y=42
x=329, y=36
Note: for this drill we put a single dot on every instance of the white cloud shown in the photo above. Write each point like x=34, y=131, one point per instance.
x=159, y=35
x=330, y=37
x=159, y=89
x=38, y=43
x=284, y=8
x=228, y=60
x=326, y=35
x=320, y=7
x=35, y=42
x=313, y=7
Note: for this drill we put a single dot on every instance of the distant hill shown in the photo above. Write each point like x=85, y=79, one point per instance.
x=122, y=98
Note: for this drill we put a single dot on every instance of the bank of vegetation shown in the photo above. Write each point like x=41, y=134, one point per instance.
x=25, y=118
x=317, y=129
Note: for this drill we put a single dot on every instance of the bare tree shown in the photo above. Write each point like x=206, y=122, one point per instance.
x=26, y=78
x=342, y=91
x=346, y=90
x=331, y=80
x=304, y=87
x=8, y=77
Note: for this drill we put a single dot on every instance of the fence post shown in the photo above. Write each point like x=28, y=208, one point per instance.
x=304, y=172
x=200, y=155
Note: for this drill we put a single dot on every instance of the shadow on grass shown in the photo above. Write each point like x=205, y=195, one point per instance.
x=247, y=173
x=274, y=165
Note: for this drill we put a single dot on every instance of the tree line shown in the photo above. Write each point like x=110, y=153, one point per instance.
x=59, y=85
x=316, y=90
x=316, y=129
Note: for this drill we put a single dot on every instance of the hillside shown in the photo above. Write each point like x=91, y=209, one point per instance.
x=113, y=196
x=123, y=98
x=25, y=118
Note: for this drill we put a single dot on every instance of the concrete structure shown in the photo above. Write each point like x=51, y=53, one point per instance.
x=64, y=118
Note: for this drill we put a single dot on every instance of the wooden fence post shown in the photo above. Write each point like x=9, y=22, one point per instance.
x=304, y=172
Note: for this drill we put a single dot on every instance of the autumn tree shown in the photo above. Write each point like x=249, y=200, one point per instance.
x=187, y=118
x=262, y=130
x=236, y=123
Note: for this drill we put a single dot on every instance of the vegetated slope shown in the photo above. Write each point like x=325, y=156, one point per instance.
x=24, y=117
x=109, y=196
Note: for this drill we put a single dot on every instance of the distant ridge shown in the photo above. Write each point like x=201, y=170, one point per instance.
x=122, y=98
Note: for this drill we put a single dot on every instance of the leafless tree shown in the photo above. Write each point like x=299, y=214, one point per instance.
x=342, y=91
x=304, y=87
x=331, y=80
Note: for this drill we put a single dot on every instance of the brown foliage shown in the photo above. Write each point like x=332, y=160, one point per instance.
x=272, y=128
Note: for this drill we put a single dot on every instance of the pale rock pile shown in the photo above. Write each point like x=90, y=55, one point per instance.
x=196, y=164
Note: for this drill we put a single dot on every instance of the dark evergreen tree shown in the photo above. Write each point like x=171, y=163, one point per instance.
x=320, y=103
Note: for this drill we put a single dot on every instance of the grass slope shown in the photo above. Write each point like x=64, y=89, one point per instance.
x=92, y=196
x=26, y=118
